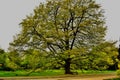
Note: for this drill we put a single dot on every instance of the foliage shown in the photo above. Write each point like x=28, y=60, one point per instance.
x=2, y=56
x=118, y=72
x=13, y=60
x=104, y=55
x=2, y=59
x=33, y=60
x=5, y=64
x=100, y=57
x=64, y=30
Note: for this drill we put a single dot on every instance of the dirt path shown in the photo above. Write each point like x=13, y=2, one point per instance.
x=85, y=77
x=79, y=78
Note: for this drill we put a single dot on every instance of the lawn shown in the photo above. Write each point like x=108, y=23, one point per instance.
x=50, y=73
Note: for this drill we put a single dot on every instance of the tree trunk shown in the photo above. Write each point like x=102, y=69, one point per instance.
x=67, y=66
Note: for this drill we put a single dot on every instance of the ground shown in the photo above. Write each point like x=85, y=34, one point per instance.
x=81, y=77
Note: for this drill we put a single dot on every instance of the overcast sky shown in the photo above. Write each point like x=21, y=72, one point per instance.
x=13, y=11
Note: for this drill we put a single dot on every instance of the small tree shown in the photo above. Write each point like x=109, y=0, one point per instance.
x=64, y=29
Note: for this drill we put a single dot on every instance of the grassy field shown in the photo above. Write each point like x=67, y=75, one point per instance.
x=49, y=73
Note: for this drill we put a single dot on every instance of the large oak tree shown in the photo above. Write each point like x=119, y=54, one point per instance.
x=65, y=30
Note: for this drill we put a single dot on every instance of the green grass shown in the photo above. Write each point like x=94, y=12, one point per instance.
x=95, y=72
x=24, y=73
x=49, y=73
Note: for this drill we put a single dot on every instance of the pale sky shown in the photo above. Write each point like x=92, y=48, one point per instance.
x=13, y=11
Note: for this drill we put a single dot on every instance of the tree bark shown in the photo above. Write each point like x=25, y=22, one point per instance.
x=67, y=66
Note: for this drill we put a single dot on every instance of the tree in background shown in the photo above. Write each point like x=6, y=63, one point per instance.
x=2, y=59
x=65, y=30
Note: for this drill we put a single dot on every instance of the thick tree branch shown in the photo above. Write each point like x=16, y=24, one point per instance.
x=75, y=33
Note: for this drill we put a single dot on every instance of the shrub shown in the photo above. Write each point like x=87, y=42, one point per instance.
x=118, y=72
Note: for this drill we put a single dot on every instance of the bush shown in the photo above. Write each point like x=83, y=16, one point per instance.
x=118, y=72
